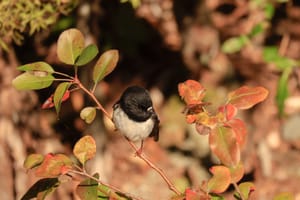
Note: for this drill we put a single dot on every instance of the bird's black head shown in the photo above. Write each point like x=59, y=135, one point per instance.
x=136, y=103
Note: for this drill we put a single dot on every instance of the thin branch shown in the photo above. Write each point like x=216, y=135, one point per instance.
x=153, y=166
x=236, y=187
x=63, y=74
x=83, y=173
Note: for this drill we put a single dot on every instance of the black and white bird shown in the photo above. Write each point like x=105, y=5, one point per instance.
x=134, y=115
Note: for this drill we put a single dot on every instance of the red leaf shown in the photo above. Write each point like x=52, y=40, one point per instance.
x=229, y=111
x=245, y=97
x=239, y=129
x=49, y=103
x=191, y=91
x=223, y=144
x=54, y=165
x=221, y=179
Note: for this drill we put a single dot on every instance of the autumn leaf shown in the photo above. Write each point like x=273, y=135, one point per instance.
x=54, y=165
x=59, y=94
x=85, y=149
x=245, y=97
x=220, y=181
x=236, y=172
x=223, y=144
x=192, y=92
x=33, y=160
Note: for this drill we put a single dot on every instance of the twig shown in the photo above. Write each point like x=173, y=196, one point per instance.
x=153, y=166
x=83, y=173
x=238, y=190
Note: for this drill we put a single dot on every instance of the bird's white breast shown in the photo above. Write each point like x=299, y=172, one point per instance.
x=135, y=131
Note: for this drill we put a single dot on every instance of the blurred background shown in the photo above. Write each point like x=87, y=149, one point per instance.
x=223, y=44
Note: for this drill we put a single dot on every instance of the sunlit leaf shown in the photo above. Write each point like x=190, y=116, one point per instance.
x=240, y=130
x=85, y=149
x=54, y=165
x=105, y=65
x=87, y=55
x=284, y=196
x=236, y=172
x=229, y=111
x=245, y=97
x=220, y=180
x=30, y=81
x=246, y=188
x=87, y=189
x=282, y=90
x=192, y=92
x=70, y=45
x=41, y=189
x=33, y=160
x=223, y=143
x=88, y=114
x=59, y=94
x=234, y=44
x=37, y=66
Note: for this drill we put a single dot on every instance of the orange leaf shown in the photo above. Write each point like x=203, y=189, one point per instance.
x=245, y=97
x=223, y=144
x=54, y=165
x=237, y=172
x=220, y=181
x=191, y=91
x=240, y=130
x=229, y=111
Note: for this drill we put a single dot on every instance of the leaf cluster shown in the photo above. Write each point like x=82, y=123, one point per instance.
x=27, y=16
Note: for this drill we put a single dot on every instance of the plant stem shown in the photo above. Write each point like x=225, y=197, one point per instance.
x=153, y=166
x=83, y=173
x=63, y=74
x=236, y=187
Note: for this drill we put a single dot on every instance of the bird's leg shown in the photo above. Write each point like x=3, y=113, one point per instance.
x=140, y=150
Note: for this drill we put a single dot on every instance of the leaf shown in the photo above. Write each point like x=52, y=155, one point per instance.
x=88, y=114
x=37, y=66
x=85, y=149
x=245, y=97
x=223, y=144
x=49, y=102
x=105, y=65
x=192, y=92
x=240, y=130
x=220, y=180
x=229, y=111
x=87, y=55
x=70, y=45
x=271, y=55
x=54, y=165
x=41, y=188
x=59, y=94
x=282, y=90
x=246, y=188
x=33, y=160
x=30, y=81
x=87, y=189
x=284, y=196
x=237, y=172
x=191, y=194
x=234, y=44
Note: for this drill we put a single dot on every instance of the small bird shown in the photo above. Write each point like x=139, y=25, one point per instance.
x=134, y=116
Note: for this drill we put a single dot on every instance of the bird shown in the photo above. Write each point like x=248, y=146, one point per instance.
x=135, y=117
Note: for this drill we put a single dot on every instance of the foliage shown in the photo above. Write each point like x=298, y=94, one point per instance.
x=226, y=132
x=29, y=16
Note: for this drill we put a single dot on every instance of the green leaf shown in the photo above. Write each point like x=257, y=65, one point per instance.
x=282, y=90
x=70, y=45
x=88, y=114
x=88, y=189
x=284, y=196
x=33, y=160
x=54, y=165
x=257, y=29
x=216, y=197
x=234, y=44
x=223, y=144
x=41, y=189
x=105, y=65
x=246, y=188
x=59, y=93
x=87, y=55
x=37, y=66
x=270, y=53
x=31, y=81
x=220, y=180
x=269, y=10
x=85, y=149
